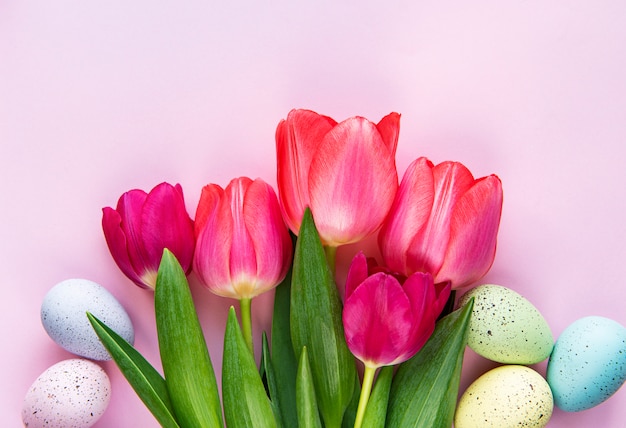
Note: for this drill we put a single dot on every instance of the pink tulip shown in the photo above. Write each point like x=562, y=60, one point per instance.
x=443, y=221
x=388, y=318
x=345, y=172
x=143, y=225
x=243, y=246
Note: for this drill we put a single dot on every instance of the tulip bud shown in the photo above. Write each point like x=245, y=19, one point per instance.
x=142, y=226
x=387, y=321
x=243, y=246
x=444, y=222
x=345, y=172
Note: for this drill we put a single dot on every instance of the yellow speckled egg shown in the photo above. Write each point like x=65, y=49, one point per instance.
x=509, y=396
x=505, y=327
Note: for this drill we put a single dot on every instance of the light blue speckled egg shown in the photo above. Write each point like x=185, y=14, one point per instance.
x=505, y=327
x=70, y=394
x=63, y=315
x=588, y=363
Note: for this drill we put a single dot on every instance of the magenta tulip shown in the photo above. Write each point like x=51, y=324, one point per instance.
x=345, y=172
x=388, y=318
x=243, y=246
x=143, y=225
x=444, y=222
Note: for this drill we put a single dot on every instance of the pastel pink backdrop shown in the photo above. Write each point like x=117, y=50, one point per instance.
x=100, y=97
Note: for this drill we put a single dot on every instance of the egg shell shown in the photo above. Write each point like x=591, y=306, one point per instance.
x=71, y=394
x=505, y=327
x=507, y=396
x=63, y=315
x=588, y=363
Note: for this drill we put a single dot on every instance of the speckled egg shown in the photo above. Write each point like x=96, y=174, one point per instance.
x=509, y=396
x=70, y=394
x=505, y=327
x=588, y=363
x=63, y=315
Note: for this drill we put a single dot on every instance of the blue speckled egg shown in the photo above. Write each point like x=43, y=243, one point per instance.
x=588, y=363
x=63, y=315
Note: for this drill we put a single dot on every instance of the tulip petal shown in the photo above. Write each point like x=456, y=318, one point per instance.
x=408, y=215
x=389, y=129
x=421, y=293
x=473, y=233
x=209, y=198
x=452, y=180
x=352, y=182
x=264, y=222
x=357, y=273
x=212, y=257
x=166, y=224
x=442, y=293
x=427, y=301
x=117, y=243
x=297, y=139
x=130, y=208
x=243, y=266
x=378, y=320
x=204, y=258
x=427, y=251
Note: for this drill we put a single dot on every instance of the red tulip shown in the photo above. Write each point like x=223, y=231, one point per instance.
x=345, y=172
x=143, y=225
x=243, y=246
x=388, y=318
x=443, y=221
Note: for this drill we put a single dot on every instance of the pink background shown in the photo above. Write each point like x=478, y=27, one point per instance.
x=98, y=97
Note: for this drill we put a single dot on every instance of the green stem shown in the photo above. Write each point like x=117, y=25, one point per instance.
x=245, y=305
x=366, y=389
x=331, y=255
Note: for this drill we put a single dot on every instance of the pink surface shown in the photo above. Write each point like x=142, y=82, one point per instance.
x=100, y=97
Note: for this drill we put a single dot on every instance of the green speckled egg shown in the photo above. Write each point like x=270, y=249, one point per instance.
x=506, y=328
x=509, y=396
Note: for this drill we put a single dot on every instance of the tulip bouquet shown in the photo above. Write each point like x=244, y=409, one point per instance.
x=389, y=352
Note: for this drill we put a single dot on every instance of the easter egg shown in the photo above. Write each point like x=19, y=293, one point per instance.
x=70, y=394
x=505, y=327
x=63, y=315
x=507, y=396
x=588, y=363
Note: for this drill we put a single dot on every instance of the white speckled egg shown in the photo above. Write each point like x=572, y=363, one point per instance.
x=509, y=396
x=507, y=328
x=63, y=315
x=588, y=363
x=70, y=394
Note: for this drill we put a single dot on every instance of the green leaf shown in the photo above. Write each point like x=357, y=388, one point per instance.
x=350, y=414
x=425, y=388
x=316, y=323
x=308, y=413
x=143, y=377
x=186, y=363
x=283, y=359
x=376, y=412
x=245, y=401
x=268, y=376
